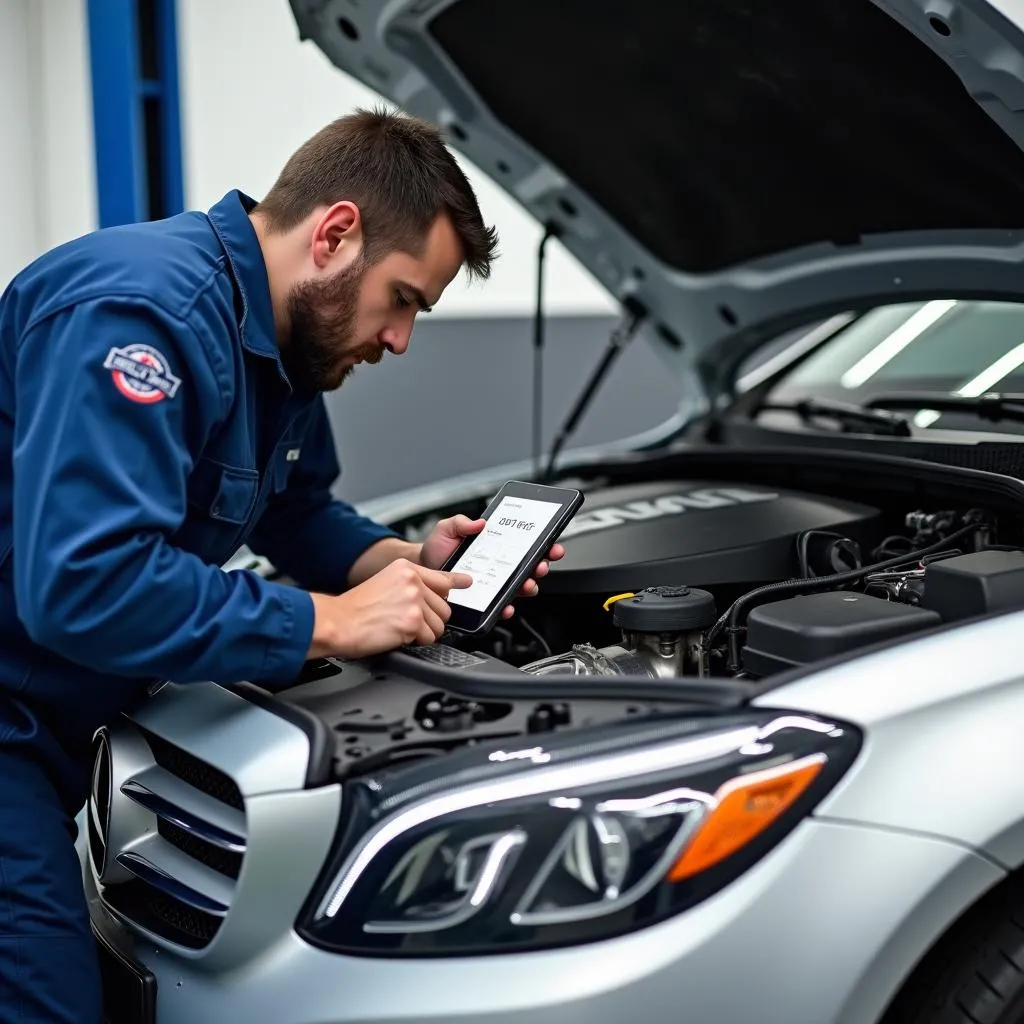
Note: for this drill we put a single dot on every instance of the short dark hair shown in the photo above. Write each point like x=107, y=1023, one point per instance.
x=400, y=174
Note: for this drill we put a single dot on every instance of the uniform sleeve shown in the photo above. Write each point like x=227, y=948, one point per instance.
x=307, y=533
x=114, y=398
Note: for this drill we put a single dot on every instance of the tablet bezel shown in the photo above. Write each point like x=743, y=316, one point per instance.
x=470, y=621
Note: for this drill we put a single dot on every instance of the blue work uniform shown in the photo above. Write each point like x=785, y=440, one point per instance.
x=147, y=430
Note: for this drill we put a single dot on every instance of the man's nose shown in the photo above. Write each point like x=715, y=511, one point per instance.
x=394, y=340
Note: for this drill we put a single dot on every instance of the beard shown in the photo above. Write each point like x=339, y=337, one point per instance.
x=321, y=341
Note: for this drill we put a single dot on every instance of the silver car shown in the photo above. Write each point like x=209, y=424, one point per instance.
x=755, y=752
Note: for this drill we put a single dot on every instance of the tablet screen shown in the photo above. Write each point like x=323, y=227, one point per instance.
x=499, y=549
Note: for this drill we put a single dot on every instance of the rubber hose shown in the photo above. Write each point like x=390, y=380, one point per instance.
x=804, y=586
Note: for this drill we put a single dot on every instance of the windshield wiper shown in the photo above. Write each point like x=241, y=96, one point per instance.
x=993, y=406
x=848, y=416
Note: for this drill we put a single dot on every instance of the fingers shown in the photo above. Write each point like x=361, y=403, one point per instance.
x=426, y=617
x=434, y=623
x=530, y=587
x=436, y=610
x=441, y=582
x=425, y=635
x=462, y=526
x=437, y=604
x=508, y=612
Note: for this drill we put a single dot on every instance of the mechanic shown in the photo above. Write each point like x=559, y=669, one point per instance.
x=161, y=403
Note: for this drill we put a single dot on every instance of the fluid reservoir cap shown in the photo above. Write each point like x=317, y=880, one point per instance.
x=665, y=610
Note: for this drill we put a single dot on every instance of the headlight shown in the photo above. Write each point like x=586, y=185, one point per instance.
x=584, y=838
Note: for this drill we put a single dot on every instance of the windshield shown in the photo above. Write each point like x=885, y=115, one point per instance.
x=945, y=347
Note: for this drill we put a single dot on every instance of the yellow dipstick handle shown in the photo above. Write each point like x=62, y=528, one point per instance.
x=617, y=597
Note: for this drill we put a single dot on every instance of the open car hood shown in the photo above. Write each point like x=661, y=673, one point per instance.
x=734, y=167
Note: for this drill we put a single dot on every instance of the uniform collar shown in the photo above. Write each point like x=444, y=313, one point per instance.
x=230, y=219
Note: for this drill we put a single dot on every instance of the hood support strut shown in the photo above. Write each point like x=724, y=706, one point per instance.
x=550, y=231
x=623, y=332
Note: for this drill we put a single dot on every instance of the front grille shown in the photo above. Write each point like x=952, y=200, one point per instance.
x=163, y=915
x=175, y=844
x=226, y=862
x=203, y=776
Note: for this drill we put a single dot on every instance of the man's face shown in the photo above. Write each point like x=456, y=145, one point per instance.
x=356, y=314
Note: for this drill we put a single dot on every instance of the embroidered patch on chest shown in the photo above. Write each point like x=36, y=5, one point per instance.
x=141, y=373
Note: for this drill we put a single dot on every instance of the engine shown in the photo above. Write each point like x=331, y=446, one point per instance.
x=671, y=632
x=711, y=585
x=664, y=581
x=710, y=535
x=663, y=636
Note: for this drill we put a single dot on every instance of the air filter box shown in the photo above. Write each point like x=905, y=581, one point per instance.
x=815, y=627
x=981, y=583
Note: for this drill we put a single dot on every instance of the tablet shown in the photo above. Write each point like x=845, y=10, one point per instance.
x=523, y=521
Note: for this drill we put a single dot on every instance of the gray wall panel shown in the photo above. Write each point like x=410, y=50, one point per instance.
x=460, y=399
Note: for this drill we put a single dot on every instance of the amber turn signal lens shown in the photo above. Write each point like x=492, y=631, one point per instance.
x=743, y=808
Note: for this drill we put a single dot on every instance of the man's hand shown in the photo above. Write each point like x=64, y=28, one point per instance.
x=404, y=603
x=449, y=534
x=379, y=555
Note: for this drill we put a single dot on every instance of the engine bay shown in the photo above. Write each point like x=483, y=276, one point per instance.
x=678, y=596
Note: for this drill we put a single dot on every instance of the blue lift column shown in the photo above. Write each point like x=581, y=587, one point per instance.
x=133, y=49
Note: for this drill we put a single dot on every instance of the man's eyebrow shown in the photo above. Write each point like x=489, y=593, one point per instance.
x=418, y=297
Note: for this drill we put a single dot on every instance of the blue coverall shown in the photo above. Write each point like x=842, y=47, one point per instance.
x=147, y=430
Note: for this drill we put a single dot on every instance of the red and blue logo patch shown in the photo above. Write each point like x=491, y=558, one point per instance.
x=141, y=373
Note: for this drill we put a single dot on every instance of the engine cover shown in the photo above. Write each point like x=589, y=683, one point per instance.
x=702, y=534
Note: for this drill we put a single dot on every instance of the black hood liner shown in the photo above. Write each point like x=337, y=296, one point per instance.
x=718, y=131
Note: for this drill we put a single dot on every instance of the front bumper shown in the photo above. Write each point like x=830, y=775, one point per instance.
x=822, y=930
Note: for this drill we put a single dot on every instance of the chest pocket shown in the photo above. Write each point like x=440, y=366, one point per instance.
x=226, y=494
x=286, y=458
x=222, y=502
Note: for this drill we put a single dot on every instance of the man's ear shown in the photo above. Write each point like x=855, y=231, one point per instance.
x=337, y=234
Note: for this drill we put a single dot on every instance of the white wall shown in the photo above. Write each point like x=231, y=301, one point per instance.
x=20, y=237
x=67, y=204
x=252, y=93
x=47, y=178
